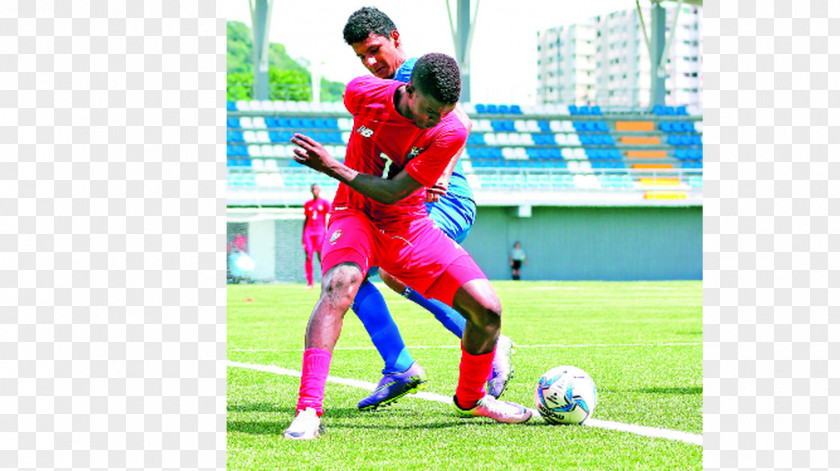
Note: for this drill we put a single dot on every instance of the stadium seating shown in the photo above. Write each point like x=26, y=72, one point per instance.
x=539, y=146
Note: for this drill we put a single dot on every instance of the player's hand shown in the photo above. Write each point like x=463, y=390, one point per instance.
x=311, y=153
x=434, y=193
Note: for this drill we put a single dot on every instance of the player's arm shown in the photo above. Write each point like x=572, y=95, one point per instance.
x=442, y=185
x=313, y=155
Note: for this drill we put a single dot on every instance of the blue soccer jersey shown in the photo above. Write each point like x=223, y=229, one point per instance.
x=454, y=213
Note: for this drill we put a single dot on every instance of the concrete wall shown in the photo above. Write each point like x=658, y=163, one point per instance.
x=591, y=243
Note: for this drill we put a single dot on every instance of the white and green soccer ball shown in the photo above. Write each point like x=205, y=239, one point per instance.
x=566, y=395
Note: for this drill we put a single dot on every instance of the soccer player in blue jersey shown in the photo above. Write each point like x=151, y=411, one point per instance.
x=376, y=42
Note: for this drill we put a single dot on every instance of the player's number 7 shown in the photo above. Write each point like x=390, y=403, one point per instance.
x=388, y=163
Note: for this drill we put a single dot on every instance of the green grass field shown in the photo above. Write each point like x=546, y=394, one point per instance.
x=641, y=342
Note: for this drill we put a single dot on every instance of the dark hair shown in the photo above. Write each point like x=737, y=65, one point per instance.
x=364, y=21
x=438, y=76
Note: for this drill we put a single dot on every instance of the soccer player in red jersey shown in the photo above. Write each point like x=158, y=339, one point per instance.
x=314, y=227
x=403, y=139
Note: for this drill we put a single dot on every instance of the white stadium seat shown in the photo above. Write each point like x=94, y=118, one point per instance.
x=246, y=122
x=262, y=136
x=271, y=165
x=257, y=164
x=267, y=150
x=490, y=138
x=531, y=125
x=520, y=125
x=527, y=139
x=258, y=122
x=507, y=152
x=560, y=138
x=243, y=105
x=249, y=136
x=572, y=139
x=279, y=150
x=254, y=151
x=556, y=126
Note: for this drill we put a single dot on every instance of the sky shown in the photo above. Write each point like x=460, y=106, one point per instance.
x=504, y=49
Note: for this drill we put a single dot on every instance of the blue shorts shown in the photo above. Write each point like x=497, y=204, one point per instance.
x=454, y=215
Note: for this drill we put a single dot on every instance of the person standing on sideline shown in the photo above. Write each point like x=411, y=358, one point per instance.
x=314, y=227
x=517, y=259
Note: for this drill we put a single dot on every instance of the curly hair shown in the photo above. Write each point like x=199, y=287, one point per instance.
x=364, y=21
x=438, y=75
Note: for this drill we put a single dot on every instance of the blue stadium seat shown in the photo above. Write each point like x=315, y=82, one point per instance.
x=666, y=126
x=696, y=140
x=578, y=125
x=331, y=123
x=669, y=111
x=233, y=122
x=545, y=126
x=682, y=111
x=583, y=110
x=274, y=136
x=283, y=123
x=295, y=123
x=602, y=126
x=492, y=109
x=231, y=106
x=680, y=153
x=596, y=110
x=573, y=110
x=307, y=123
x=673, y=140
x=590, y=126
x=659, y=110
x=480, y=108
x=504, y=109
x=235, y=136
x=515, y=109
x=498, y=125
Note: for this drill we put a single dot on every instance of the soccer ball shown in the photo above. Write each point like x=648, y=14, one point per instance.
x=566, y=395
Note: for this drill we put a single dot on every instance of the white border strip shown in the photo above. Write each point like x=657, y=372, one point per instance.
x=420, y=347
x=654, y=432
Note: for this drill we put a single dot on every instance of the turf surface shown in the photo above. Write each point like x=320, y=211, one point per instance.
x=641, y=342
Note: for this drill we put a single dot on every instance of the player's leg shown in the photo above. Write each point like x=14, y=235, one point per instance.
x=345, y=262
x=401, y=375
x=337, y=292
x=461, y=283
x=479, y=303
x=309, y=248
x=450, y=318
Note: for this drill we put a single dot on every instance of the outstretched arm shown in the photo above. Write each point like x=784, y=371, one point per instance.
x=386, y=191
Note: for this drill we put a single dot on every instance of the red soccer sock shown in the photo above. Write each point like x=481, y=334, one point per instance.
x=313, y=380
x=308, y=266
x=474, y=371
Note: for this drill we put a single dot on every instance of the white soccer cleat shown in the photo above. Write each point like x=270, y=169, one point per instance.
x=502, y=370
x=306, y=426
x=500, y=411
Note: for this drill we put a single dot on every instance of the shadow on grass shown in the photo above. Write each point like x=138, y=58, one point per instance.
x=694, y=390
x=337, y=419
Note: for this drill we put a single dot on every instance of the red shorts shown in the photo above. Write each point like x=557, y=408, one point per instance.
x=422, y=256
x=312, y=241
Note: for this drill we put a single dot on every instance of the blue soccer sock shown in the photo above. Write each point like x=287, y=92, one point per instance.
x=449, y=317
x=370, y=306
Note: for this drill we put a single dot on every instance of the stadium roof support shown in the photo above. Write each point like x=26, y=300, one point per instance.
x=462, y=37
x=657, y=47
x=261, y=21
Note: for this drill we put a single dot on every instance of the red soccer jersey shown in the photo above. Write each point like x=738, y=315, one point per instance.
x=316, y=214
x=383, y=142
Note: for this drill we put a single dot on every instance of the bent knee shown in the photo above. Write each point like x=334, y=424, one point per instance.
x=341, y=283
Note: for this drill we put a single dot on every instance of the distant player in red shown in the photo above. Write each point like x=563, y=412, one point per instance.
x=314, y=228
x=404, y=136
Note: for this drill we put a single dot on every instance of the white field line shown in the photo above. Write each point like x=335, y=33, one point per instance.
x=654, y=432
x=420, y=347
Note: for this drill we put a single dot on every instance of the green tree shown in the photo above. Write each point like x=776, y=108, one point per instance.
x=288, y=79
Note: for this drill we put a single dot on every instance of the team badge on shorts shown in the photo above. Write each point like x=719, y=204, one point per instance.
x=335, y=236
